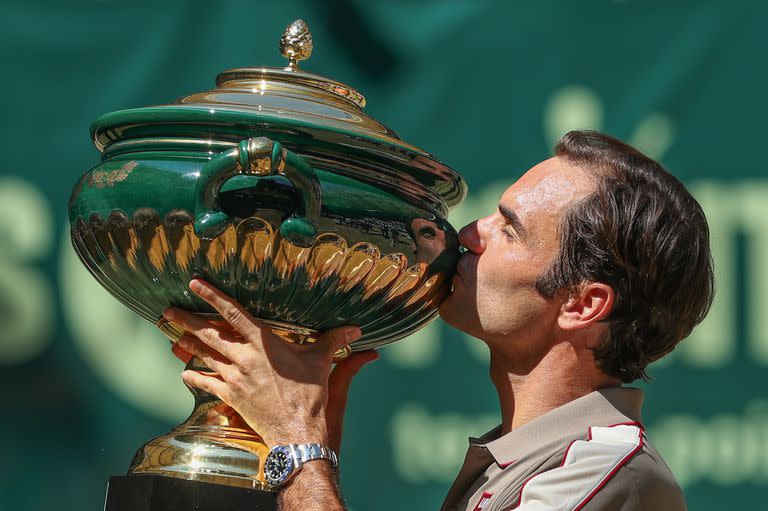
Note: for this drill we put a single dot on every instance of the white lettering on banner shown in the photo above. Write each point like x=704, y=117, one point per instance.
x=573, y=107
x=732, y=209
x=27, y=308
x=578, y=107
x=725, y=449
x=653, y=135
x=430, y=447
x=753, y=217
x=712, y=344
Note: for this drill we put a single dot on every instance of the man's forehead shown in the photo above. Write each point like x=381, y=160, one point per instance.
x=548, y=186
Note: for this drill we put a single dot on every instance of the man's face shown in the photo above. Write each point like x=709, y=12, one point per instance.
x=494, y=296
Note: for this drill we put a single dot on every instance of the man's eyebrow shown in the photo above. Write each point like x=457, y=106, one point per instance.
x=511, y=217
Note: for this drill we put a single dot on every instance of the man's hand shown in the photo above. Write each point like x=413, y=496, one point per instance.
x=282, y=390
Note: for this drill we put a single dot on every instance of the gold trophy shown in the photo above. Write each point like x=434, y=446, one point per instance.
x=278, y=189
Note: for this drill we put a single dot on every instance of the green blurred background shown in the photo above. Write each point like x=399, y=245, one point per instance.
x=488, y=87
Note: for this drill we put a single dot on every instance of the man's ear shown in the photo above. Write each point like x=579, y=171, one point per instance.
x=590, y=304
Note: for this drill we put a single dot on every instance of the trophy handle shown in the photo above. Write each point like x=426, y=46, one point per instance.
x=259, y=156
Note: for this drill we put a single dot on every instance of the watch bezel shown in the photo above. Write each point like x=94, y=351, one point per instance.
x=286, y=472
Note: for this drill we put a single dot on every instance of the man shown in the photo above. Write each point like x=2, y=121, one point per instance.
x=595, y=264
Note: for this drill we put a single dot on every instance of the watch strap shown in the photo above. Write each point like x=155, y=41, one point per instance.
x=302, y=453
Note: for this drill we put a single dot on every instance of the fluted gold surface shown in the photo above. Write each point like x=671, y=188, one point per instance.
x=147, y=263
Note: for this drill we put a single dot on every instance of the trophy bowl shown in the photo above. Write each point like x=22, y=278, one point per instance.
x=279, y=190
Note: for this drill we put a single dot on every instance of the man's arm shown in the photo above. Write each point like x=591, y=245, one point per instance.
x=313, y=488
x=286, y=392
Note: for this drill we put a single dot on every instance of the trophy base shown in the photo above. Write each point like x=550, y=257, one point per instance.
x=214, y=445
x=148, y=492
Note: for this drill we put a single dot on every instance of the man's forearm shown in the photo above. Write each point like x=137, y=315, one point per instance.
x=312, y=489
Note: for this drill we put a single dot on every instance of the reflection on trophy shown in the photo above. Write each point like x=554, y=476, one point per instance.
x=278, y=189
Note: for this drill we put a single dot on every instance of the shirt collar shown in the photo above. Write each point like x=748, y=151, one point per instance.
x=605, y=407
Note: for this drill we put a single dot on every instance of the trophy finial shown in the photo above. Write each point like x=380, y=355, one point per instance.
x=296, y=44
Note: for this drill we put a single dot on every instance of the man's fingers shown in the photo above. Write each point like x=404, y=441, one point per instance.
x=336, y=338
x=214, y=360
x=207, y=383
x=218, y=338
x=232, y=312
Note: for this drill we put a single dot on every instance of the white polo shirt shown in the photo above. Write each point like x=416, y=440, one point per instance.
x=589, y=454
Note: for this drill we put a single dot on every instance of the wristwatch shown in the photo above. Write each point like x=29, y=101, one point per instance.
x=283, y=461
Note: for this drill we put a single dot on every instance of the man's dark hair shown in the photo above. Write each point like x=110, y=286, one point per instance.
x=642, y=233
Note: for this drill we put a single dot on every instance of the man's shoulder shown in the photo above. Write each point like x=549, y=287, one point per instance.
x=591, y=453
x=613, y=468
x=644, y=482
x=629, y=476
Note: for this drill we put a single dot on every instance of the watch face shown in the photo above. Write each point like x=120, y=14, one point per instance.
x=278, y=465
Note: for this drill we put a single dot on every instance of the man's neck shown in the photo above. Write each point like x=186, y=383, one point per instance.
x=561, y=376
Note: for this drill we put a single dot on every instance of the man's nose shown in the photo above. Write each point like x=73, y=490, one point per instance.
x=469, y=236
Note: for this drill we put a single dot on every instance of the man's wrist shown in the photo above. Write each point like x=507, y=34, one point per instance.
x=307, y=433
x=315, y=486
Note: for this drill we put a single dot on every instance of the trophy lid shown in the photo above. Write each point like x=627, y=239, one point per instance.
x=291, y=93
x=323, y=117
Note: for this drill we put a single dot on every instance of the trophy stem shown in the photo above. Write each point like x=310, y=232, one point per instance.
x=214, y=445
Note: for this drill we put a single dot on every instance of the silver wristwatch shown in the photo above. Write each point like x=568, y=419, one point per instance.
x=283, y=461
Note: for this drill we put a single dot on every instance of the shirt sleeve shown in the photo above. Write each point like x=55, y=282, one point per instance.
x=608, y=471
x=640, y=485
